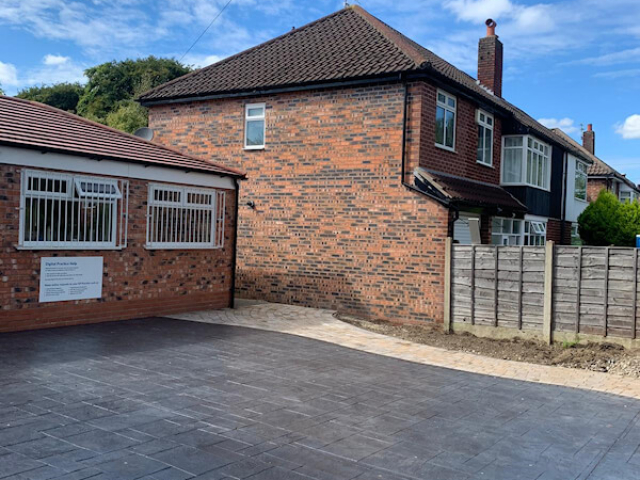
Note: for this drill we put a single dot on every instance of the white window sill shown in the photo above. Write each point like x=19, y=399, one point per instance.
x=76, y=248
x=444, y=147
x=485, y=164
x=262, y=147
x=581, y=200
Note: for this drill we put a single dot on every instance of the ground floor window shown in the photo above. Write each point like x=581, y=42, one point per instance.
x=63, y=211
x=575, y=235
x=513, y=231
x=185, y=217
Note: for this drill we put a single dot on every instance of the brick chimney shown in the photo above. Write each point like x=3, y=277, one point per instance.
x=589, y=139
x=490, y=60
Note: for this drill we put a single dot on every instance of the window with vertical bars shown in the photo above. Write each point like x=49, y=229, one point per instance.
x=62, y=211
x=185, y=217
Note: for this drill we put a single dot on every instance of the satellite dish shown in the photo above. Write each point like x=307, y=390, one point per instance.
x=145, y=133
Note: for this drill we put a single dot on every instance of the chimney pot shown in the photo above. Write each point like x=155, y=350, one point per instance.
x=491, y=27
x=590, y=127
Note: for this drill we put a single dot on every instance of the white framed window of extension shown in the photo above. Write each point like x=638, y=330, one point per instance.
x=625, y=196
x=445, y=120
x=526, y=161
x=60, y=211
x=512, y=231
x=485, y=138
x=580, y=186
x=185, y=217
x=254, y=126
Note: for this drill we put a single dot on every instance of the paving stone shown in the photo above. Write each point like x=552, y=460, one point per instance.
x=196, y=461
x=101, y=441
x=130, y=467
x=14, y=463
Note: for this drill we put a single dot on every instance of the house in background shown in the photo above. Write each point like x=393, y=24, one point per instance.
x=100, y=225
x=364, y=151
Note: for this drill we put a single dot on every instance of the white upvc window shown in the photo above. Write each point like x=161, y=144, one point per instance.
x=60, y=211
x=580, y=186
x=445, y=120
x=512, y=231
x=185, y=217
x=626, y=196
x=254, y=126
x=526, y=161
x=485, y=137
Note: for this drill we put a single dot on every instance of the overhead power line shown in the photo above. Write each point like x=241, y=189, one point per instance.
x=206, y=29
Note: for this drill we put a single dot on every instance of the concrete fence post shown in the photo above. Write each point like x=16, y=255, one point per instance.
x=548, y=292
x=448, y=246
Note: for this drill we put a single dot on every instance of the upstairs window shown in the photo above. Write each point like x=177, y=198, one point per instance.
x=625, y=196
x=485, y=138
x=580, y=188
x=185, y=217
x=526, y=161
x=254, y=126
x=445, y=120
x=62, y=211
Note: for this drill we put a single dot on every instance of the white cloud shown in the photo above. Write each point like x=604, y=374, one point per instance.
x=567, y=125
x=55, y=59
x=630, y=128
x=479, y=10
x=630, y=72
x=199, y=61
x=623, y=56
x=8, y=75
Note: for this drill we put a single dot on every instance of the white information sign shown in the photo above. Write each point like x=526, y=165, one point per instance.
x=70, y=278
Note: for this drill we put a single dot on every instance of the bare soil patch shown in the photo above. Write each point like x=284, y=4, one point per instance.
x=599, y=357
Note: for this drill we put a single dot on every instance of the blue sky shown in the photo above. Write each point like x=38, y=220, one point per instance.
x=568, y=62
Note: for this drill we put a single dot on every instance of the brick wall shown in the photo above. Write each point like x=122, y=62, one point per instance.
x=136, y=283
x=555, y=233
x=333, y=226
x=462, y=162
x=595, y=185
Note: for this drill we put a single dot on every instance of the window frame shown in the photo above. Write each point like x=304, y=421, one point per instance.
x=75, y=198
x=580, y=174
x=180, y=200
x=528, y=228
x=526, y=149
x=447, y=108
x=255, y=118
x=484, y=125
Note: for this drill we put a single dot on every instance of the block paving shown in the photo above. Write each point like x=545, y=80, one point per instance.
x=174, y=400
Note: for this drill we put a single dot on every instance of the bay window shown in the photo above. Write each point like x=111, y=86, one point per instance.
x=580, y=187
x=485, y=138
x=445, y=120
x=526, y=161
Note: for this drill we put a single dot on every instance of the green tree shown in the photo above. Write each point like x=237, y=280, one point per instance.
x=112, y=83
x=609, y=222
x=64, y=96
x=1, y=91
x=128, y=116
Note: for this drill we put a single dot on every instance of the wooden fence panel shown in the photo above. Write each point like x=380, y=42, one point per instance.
x=594, y=290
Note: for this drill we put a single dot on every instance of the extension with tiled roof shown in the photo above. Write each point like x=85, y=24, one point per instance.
x=38, y=126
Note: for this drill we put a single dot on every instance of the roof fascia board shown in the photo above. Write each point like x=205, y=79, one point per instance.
x=73, y=162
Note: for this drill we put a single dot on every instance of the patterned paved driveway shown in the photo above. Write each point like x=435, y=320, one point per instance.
x=168, y=399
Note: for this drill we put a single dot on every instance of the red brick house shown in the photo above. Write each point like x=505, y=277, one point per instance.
x=101, y=225
x=364, y=151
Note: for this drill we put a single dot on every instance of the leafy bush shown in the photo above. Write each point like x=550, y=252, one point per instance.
x=64, y=96
x=608, y=222
x=129, y=116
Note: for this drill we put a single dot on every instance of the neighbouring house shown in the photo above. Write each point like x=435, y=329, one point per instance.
x=101, y=225
x=364, y=152
x=603, y=176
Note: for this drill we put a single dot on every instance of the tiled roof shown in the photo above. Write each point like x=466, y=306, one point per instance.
x=38, y=126
x=346, y=45
x=598, y=167
x=464, y=191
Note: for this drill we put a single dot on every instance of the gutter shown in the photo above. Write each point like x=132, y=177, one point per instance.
x=445, y=203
